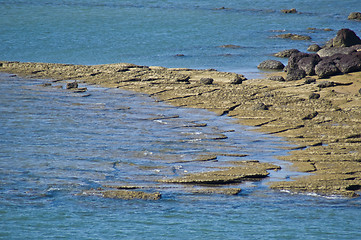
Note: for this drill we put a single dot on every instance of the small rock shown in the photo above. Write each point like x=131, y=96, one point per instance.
x=71, y=85
x=179, y=55
x=46, y=85
x=276, y=78
x=271, y=64
x=359, y=90
x=354, y=16
x=260, y=106
x=314, y=96
x=230, y=46
x=292, y=10
x=238, y=79
x=313, y=48
x=309, y=80
x=206, y=81
x=286, y=53
x=184, y=79
x=310, y=116
x=326, y=84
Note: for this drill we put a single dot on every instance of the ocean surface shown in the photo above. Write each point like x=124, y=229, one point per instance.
x=56, y=144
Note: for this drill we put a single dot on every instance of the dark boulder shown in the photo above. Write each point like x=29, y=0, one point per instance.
x=346, y=38
x=348, y=63
x=326, y=68
x=286, y=53
x=354, y=16
x=308, y=63
x=271, y=64
x=295, y=74
x=294, y=59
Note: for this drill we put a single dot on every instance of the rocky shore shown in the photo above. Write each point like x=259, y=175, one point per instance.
x=324, y=122
x=321, y=117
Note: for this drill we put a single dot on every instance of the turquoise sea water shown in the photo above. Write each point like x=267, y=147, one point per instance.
x=55, y=144
x=154, y=32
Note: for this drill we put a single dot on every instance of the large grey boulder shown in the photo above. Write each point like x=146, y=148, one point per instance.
x=330, y=51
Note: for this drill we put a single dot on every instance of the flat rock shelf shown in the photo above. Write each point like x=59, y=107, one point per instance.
x=326, y=130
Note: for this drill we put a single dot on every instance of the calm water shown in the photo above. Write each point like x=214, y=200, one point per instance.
x=154, y=32
x=54, y=144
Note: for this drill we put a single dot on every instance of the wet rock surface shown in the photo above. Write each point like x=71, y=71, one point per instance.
x=327, y=144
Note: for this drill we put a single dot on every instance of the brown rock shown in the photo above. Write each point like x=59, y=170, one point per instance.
x=354, y=16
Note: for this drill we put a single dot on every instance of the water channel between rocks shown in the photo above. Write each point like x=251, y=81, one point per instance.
x=54, y=139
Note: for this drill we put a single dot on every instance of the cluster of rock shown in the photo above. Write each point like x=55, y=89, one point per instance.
x=341, y=55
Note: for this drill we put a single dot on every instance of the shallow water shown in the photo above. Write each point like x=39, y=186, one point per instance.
x=54, y=144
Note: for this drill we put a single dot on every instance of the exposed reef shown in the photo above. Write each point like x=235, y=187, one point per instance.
x=322, y=120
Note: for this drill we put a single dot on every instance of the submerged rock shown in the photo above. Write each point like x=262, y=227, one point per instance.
x=230, y=46
x=128, y=195
x=292, y=10
x=293, y=36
